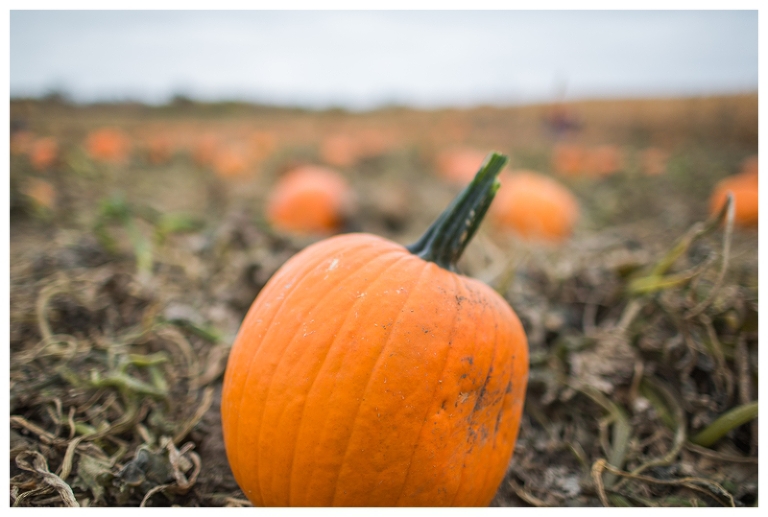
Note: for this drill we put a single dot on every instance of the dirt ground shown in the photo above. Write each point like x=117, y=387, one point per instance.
x=129, y=280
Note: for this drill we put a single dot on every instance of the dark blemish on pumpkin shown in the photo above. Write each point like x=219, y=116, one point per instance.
x=463, y=376
x=498, y=422
x=468, y=359
x=442, y=406
x=484, y=433
x=480, y=402
x=471, y=438
x=460, y=299
x=509, y=388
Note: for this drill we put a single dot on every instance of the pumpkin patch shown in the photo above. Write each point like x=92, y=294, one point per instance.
x=171, y=345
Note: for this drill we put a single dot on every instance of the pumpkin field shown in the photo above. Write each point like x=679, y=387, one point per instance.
x=623, y=236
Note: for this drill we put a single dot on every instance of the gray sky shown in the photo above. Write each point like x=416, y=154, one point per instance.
x=363, y=59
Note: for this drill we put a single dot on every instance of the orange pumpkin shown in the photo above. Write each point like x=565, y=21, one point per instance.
x=745, y=195
x=230, y=161
x=568, y=159
x=535, y=207
x=459, y=164
x=370, y=374
x=309, y=200
x=108, y=145
x=603, y=160
x=339, y=150
x=43, y=153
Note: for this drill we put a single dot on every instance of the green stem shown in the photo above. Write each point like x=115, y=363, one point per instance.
x=444, y=241
x=730, y=420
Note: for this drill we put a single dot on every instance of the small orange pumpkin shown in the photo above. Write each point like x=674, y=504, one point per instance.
x=109, y=145
x=340, y=150
x=43, y=153
x=309, y=199
x=744, y=187
x=603, y=160
x=568, y=159
x=230, y=161
x=370, y=374
x=535, y=207
x=458, y=165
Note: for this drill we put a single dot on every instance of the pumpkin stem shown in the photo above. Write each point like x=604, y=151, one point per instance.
x=444, y=241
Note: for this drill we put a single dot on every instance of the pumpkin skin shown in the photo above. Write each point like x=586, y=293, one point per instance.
x=744, y=187
x=603, y=160
x=44, y=153
x=364, y=375
x=230, y=161
x=458, y=165
x=309, y=200
x=568, y=159
x=108, y=145
x=535, y=207
x=339, y=150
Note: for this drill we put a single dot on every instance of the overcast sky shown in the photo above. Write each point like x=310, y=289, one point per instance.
x=364, y=59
